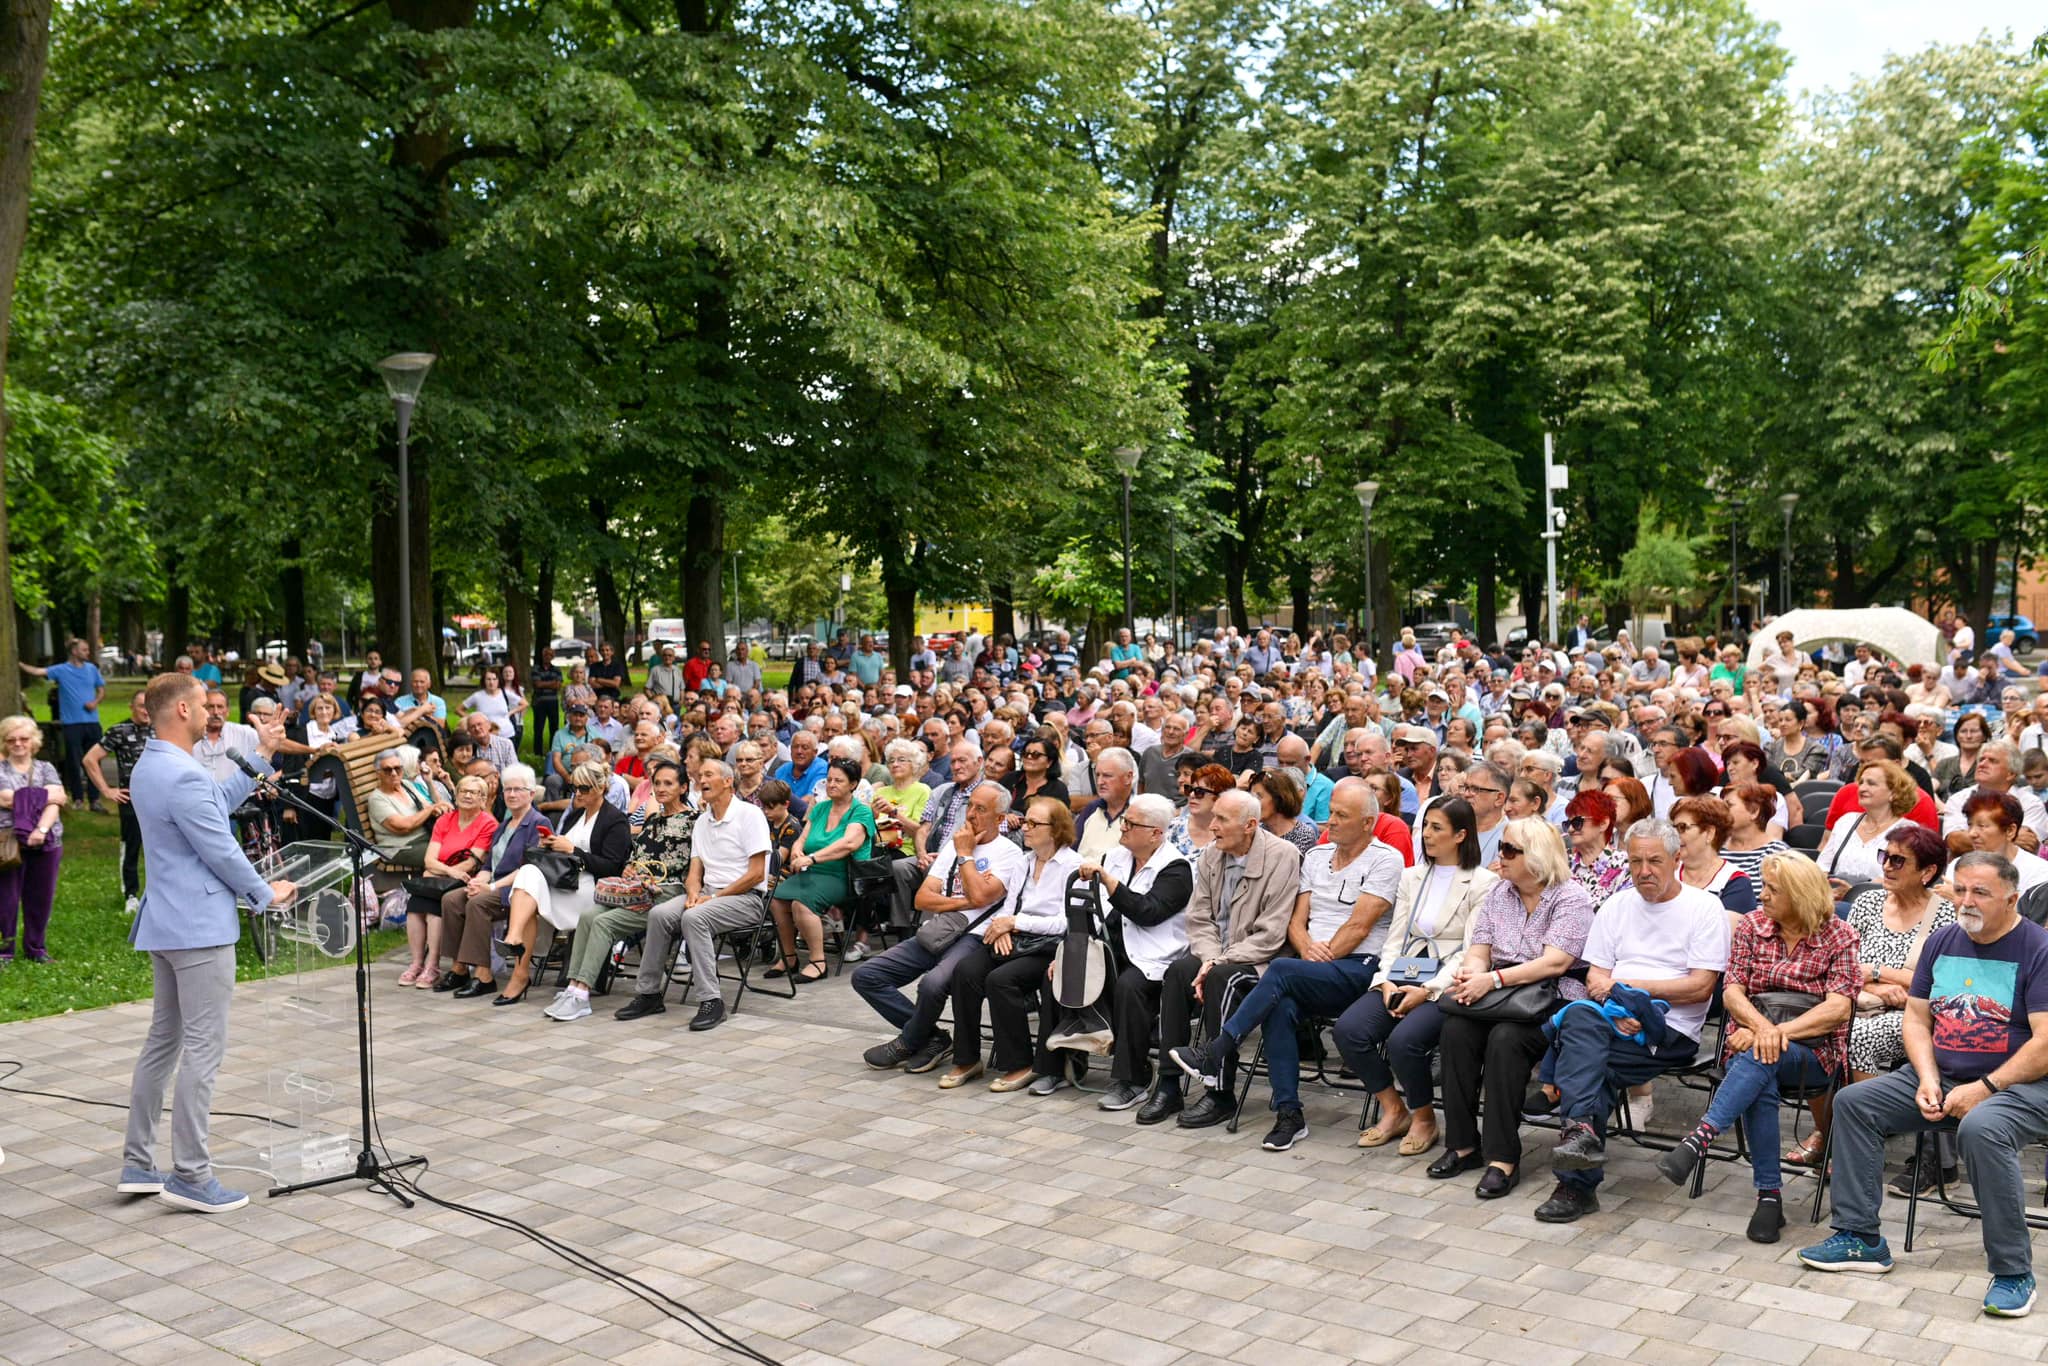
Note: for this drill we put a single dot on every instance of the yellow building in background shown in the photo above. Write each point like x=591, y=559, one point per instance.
x=956, y=617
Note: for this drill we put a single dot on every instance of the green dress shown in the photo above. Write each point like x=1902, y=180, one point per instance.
x=825, y=885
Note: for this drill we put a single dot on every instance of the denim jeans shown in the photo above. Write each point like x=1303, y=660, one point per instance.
x=1589, y=1060
x=1288, y=989
x=879, y=982
x=1750, y=1093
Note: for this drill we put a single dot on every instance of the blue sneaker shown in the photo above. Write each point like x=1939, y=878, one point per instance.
x=211, y=1197
x=1847, y=1252
x=2010, y=1297
x=140, y=1181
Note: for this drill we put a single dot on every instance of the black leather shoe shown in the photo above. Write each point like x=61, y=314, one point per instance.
x=1495, y=1183
x=1163, y=1104
x=451, y=980
x=1212, y=1109
x=471, y=989
x=1567, y=1203
x=501, y=999
x=1455, y=1164
x=710, y=1015
x=649, y=1004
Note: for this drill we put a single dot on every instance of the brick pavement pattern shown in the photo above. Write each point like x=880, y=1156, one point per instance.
x=827, y=1213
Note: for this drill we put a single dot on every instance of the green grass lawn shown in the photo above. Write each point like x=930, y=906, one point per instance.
x=92, y=964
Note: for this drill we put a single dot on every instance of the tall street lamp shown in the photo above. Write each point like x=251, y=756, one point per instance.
x=1127, y=460
x=1735, y=510
x=1367, y=490
x=1787, y=502
x=403, y=374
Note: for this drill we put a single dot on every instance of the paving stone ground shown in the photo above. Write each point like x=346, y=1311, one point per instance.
x=826, y=1213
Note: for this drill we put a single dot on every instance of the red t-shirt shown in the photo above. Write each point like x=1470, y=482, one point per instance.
x=1924, y=811
x=1393, y=832
x=451, y=840
x=695, y=670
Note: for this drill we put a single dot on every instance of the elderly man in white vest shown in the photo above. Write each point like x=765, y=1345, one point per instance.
x=1146, y=884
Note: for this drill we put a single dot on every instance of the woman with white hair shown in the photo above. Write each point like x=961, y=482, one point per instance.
x=899, y=804
x=468, y=911
x=32, y=794
x=594, y=842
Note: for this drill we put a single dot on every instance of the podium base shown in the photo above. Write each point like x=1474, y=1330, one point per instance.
x=368, y=1169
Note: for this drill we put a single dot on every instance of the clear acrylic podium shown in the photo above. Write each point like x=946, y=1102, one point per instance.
x=309, y=1016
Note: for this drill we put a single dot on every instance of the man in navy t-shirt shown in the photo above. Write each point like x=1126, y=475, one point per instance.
x=79, y=690
x=1976, y=1036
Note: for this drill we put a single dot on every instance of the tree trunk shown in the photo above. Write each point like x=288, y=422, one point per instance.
x=292, y=580
x=519, y=642
x=1236, y=561
x=177, y=615
x=1002, y=612
x=899, y=590
x=131, y=634
x=611, y=611
x=543, y=608
x=1984, y=586
x=703, y=578
x=92, y=622
x=24, y=53
x=1299, y=580
x=1487, y=627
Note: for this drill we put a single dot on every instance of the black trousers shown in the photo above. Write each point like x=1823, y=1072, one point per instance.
x=1225, y=984
x=1499, y=1057
x=547, y=719
x=1134, y=1006
x=1011, y=986
x=131, y=850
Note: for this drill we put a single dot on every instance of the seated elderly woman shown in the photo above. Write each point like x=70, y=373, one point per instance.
x=661, y=852
x=454, y=853
x=595, y=841
x=1429, y=925
x=1008, y=964
x=838, y=829
x=1993, y=824
x=1531, y=926
x=1280, y=793
x=1789, y=994
x=1855, y=843
x=1598, y=862
x=1703, y=824
x=1752, y=807
x=468, y=911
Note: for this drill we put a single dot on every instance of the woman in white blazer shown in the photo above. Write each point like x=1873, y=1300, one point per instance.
x=1431, y=920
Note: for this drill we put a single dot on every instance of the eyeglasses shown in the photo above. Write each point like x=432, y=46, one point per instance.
x=1684, y=827
x=391, y=768
x=1892, y=862
x=1130, y=825
x=1203, y=792
x=1510, y=850
x=1575, y=824
x=588, y=787
x=1033, y=824
x=1474, y=787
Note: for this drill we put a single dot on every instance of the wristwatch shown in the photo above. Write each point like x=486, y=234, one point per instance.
x=1993, y=1087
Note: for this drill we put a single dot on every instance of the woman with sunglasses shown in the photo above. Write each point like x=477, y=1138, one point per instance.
x=1531, y=926
x=1597, y=860
x=1038, y=772
x=1892, y=923
x=597, y=839
x=1703, y=824
x=1008, y=964
x=1431, y=919
x=1190, y=832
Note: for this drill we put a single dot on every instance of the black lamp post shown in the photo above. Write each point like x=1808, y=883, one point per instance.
x=403, y=374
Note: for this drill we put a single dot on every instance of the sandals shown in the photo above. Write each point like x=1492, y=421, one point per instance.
x=1379, y=1135
x=783, y=968
x=1806, y=1152
x=812, y=972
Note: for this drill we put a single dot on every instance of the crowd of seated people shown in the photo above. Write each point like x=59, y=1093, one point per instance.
x=1507, y=885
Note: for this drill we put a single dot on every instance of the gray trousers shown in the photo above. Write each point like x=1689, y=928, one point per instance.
x=1990, y=1136
x=698, y=926
x=189, y=1032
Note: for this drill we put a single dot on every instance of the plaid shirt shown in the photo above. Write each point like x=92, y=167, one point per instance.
x=1824, y=964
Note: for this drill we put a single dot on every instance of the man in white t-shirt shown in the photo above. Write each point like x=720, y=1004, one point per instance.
x=1656, y=949
x=1338, y=929
x=726, y=890
x=971, y=873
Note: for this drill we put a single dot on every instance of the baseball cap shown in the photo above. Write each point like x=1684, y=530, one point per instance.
x=1414, y=735
x=576, y=707
x=1438, y=695
x=905, y=690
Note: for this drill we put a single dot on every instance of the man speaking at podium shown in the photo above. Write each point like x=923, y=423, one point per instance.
x=189, y=927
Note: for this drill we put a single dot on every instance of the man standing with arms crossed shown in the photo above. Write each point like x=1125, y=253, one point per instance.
x=189, y=928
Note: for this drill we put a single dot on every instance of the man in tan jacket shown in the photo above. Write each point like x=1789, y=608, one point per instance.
x=1246, y=884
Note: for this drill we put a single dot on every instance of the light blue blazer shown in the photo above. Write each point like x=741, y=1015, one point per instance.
x=196, y=868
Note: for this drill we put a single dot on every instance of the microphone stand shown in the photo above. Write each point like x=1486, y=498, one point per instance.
x=369, y=1167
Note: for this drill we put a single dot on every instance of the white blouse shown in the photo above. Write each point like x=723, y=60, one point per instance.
x=1040, y=905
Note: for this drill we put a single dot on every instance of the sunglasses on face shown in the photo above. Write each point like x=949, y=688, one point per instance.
x=1510, y=850
x=1575, y=824
x=1892, y=862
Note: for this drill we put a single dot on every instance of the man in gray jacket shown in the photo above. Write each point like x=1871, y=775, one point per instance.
x=1246, y=884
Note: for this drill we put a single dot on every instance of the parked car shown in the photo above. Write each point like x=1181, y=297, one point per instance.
x=487, y=654
x=2025, y=639
x=568, y=651
x=650, y=649
x=792, y=647
x=1431, y=636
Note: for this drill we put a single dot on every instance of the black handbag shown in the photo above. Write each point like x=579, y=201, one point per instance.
x=432, y=888
x=1523, y=1003
x=562, y=871
x=1780, y=1007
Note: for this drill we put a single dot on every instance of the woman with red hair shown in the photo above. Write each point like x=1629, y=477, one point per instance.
x=1598, y=862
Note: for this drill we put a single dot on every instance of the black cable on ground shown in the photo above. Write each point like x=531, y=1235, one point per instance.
x=671, y=1308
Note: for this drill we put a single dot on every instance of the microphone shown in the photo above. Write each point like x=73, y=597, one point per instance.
x=236, y=757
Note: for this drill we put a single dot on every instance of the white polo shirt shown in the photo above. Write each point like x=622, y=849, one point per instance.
x=727, y=846
x=998, y=858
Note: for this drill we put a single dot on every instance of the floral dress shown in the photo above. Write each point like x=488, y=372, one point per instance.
x=1877, y=1042
x=1602, y=877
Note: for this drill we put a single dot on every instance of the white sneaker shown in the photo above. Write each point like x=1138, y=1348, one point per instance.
x=134, y=905
x=1640, y=1108
x=855, y=953
x=568, y=1007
